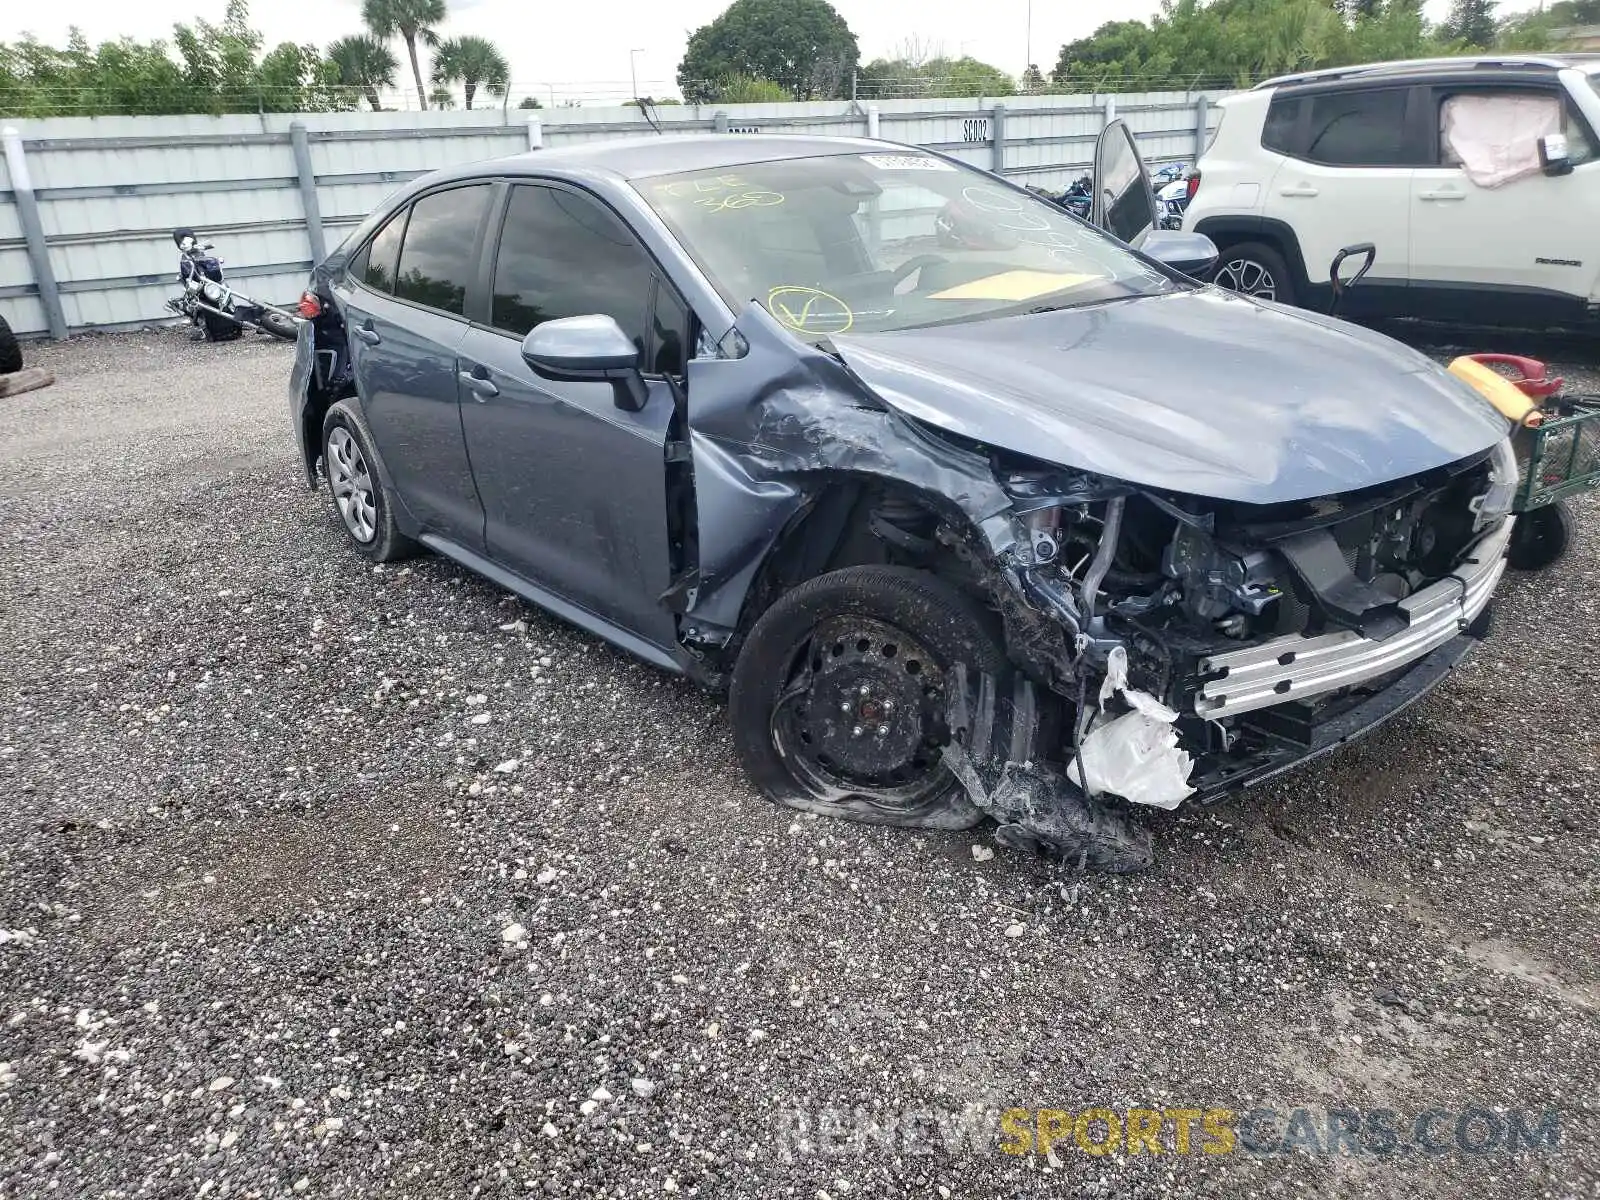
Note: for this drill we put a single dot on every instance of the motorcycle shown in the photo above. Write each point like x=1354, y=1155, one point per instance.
x=1171, y=184
x=1076, y=200
x=217, y=310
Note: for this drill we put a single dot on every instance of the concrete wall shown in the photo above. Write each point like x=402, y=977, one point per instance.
x=107, y=191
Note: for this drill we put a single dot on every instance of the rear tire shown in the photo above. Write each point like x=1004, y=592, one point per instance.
x=10, y=350
x=1255, y=269
x=839, y=694
x=364, y=507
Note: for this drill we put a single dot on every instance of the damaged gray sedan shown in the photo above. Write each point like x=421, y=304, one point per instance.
x=974, y=510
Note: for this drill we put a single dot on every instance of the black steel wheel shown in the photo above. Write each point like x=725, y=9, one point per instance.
x=839, y=695
x=1541, y=538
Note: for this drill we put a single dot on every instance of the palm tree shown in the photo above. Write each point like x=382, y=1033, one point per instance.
x=472, y=62
x=364, y=62
x=409, y=20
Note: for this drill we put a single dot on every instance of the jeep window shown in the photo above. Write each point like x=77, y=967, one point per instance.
x=1512, y=135
x=888, y=240
x=564, y=255
x=1278, y=132
x=1358, y=128
x=374, y=264
x=438, y=256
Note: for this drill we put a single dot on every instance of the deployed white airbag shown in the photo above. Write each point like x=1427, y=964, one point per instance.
x=1496, y=137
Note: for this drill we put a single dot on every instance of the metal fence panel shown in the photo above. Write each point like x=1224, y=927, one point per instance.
x=109, y=190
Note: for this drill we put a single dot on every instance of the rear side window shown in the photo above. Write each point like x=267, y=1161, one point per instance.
x=1278, y=133
x=437, y=260
x=564, y=255
x=1358, y=129
x=375, y=264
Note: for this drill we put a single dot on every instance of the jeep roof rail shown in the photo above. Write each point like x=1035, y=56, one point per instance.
x=1551, y=62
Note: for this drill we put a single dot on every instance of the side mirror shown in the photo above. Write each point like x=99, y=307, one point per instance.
x=1192, y=253
x=589, y=347
x=1554, y=156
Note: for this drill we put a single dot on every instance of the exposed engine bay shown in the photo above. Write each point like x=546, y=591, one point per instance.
x=1216, y=637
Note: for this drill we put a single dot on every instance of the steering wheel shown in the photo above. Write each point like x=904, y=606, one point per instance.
x=912, y=265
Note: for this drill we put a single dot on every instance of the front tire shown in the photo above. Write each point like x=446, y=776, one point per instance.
x=839, y=694
x=1255, y=269
x=10, y=350
x=280, y=325
x=363, y=507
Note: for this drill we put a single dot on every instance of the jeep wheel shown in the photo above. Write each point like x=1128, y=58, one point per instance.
x=1255, y=269
x=839, y=696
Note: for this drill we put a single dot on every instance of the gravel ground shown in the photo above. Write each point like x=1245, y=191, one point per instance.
x=325, y=881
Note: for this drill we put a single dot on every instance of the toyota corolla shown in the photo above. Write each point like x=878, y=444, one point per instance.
x=973, y=509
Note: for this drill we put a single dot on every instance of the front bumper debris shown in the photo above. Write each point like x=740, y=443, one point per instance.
x=1296, y=667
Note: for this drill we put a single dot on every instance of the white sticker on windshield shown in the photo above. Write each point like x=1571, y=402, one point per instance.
x=906, y=162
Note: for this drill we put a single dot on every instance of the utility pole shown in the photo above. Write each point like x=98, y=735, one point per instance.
x=1027, y=58
x=633, y=67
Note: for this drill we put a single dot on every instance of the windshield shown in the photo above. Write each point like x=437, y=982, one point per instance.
x=893, y=240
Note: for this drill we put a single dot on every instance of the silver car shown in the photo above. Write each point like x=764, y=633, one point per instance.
x=975, y=510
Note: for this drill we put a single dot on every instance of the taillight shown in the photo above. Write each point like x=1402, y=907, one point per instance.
x=1194, y=185
x=310, y=305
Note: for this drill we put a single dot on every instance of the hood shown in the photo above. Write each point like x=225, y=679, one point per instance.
x=1200, y=392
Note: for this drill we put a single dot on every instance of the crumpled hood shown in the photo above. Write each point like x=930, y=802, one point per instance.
x=1199, y=392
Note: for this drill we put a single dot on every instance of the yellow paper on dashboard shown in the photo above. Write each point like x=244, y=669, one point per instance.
x=1014, y=285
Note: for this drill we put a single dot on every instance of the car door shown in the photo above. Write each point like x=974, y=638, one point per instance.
x=1522, y=249
x=1347, y=179
x=574, y=486
x=404, y=301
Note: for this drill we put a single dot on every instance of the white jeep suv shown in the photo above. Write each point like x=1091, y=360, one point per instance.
x=1477, y=179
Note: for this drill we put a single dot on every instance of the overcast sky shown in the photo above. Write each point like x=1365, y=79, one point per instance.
x=582, y=49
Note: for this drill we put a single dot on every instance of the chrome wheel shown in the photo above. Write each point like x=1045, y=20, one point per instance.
x=352, y=486
x=1247, y=277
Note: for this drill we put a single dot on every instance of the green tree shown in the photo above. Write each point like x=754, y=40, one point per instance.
x=362, y=61
x=473, y=62
x=802, y=45
x=220, y=60
x=1033, y=79
x=1471, y=22
x=529, y=102
x=411, y=21
x=939, y=76
x=741, y=89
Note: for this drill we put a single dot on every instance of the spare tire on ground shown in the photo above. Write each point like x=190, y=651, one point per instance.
x=10, y=350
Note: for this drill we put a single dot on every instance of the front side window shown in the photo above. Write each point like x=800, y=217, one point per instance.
x=1493, y=133
x=564, y=255
x=1358, y=129
x=437, y=259
x=888, y=240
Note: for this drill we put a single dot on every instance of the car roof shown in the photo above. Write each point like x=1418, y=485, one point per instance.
x=1432, y=66
x=643, y=157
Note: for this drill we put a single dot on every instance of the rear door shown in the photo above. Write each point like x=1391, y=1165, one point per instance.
x=574, y=487
x=404, y=304
x=1347, y=179
x=1525, y=249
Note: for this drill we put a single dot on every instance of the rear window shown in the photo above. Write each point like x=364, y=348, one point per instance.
x=1357, y=129
x=374, y=266
x=437, y=259
x=1278, y=133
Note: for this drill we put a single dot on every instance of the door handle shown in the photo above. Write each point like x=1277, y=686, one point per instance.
x=368, y=334
x=1442, y=194
x=1304, y=189
x=481, y=386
